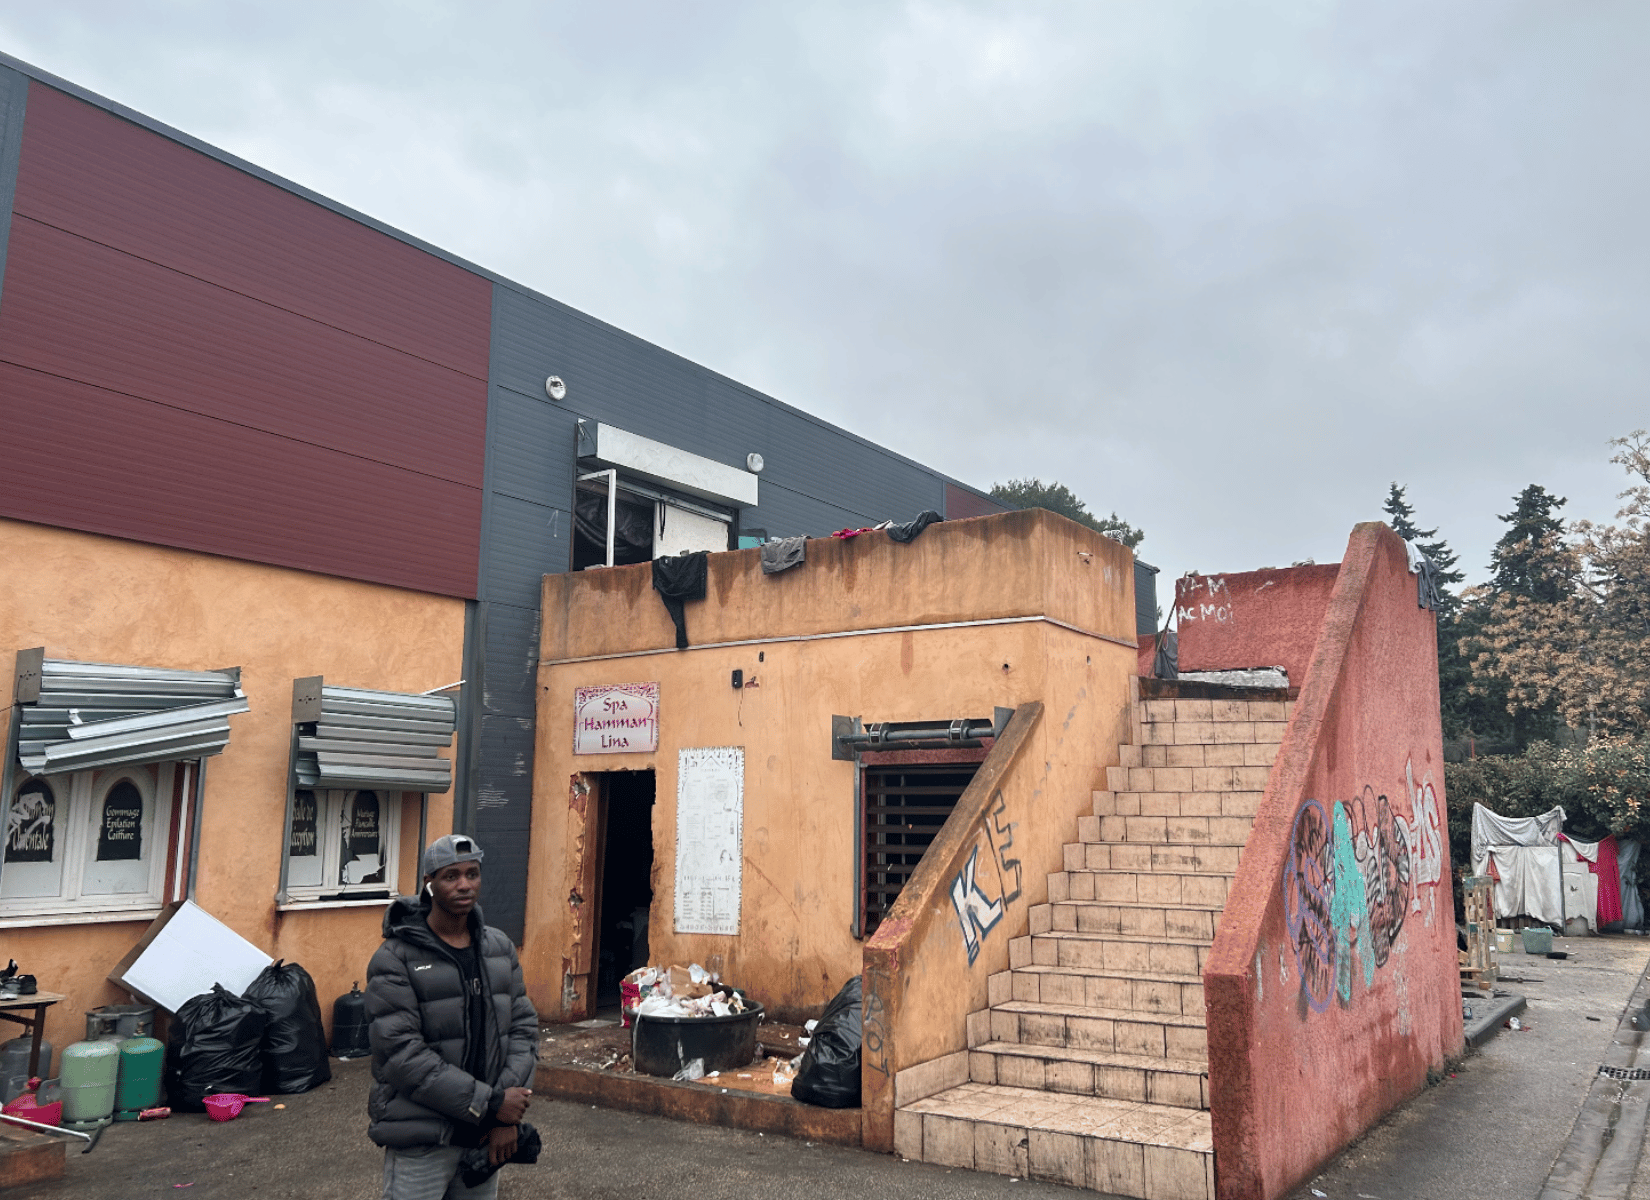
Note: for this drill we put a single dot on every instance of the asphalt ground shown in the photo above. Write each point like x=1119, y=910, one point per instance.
x=1492, y=1130
x=1497, y=1126
x=317, y=1149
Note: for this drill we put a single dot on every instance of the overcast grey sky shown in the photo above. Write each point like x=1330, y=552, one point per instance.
x=1227, y=268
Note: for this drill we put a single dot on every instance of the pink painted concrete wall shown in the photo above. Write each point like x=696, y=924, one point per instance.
x=1332, y=986
x=1267, y=618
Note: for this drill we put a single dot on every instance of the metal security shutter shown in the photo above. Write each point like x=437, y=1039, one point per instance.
x=78, y=716
x=905, y=808
x=355, y=738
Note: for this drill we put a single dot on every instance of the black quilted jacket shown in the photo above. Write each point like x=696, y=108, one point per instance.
x=420, y=1024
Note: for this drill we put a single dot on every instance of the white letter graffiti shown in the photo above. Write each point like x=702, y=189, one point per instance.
x=976, y=911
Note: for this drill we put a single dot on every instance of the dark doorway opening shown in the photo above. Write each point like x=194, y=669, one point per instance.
x=626, y=894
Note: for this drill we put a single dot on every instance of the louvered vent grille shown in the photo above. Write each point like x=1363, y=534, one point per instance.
x=355, y=738
x=78, y=716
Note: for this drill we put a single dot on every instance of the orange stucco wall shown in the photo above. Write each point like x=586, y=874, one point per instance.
x=1332, y=985
x=795, y=946
x=106, y=600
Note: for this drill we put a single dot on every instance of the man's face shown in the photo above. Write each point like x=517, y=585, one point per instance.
x=454, y=889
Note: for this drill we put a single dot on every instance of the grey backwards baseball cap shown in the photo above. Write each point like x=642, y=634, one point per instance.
x=445, y=851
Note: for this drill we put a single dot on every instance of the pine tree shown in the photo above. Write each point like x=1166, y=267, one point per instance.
x=1522, y=563
x=1402, y=519
x=1456, y=699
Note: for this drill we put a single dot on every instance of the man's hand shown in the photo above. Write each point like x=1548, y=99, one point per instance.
x=501, y=1141
x=514, y=1107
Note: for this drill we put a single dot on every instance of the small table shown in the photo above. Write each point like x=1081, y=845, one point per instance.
x=11, y=1009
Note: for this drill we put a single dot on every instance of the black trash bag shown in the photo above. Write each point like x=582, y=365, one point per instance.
x=213, y=1047
x=294, y=1049
x=829, y=1075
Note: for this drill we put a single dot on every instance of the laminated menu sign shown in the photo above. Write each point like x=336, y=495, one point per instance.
x=710, y=814
x=621, y=719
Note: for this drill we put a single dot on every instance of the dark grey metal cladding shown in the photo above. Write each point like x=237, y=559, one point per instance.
x=522, y=543
x=14, y=95
x=784, y=513
x=1145, y=597
x=512, y=651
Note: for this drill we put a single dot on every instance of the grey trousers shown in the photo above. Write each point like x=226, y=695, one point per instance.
x=430, y=1173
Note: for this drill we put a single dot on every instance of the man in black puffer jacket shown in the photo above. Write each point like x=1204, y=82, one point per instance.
x=454, y=1037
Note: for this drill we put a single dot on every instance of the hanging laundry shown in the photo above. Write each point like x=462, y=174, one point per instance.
x=1426, y=572
x=845, y=534
x=679, y=579
x=1608, y=869
x=908, y=532
x=783, y=555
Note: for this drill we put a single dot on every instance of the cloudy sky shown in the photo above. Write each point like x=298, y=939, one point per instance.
x=1226, y=268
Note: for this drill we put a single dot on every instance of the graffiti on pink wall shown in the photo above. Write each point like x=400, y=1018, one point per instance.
x=1355, y=873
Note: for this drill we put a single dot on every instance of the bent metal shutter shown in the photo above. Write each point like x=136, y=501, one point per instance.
x=355, y=738
x=78, y=716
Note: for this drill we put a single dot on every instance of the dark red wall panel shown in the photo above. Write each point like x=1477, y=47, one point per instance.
x=90, y=172
x=194, y=357
x=83, y=311
x=86, y=458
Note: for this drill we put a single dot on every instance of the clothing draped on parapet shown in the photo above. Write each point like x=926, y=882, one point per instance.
x=1426, y=571
x=909, y=530
x=783, y=555
x=679, y=579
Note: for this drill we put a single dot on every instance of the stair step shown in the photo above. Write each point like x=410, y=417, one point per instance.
x=1215, y=831
x=1115, y=1146
x=1121, y=1031
x=1172, y=804
x=1188, y=858
x=1198, y=754
x=1147, y=1078
x=1123, y=951
x=1141, y=919
x=1202, y=890
x=1066, y=990
x=1144, y=992
x=1231, y=777
x=1219, y=711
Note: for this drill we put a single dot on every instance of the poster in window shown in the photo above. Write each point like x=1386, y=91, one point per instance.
x=120, y=833
x=710, y=814
x=31, y=825
x=302, y=842
x=363, y=862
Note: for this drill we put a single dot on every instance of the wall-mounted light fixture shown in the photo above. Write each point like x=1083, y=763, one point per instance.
x=754, y=463
x=555, y=388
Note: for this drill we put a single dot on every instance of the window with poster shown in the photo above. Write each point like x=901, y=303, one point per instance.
x=89, y=842
x=101, y=769
x=363, y=763
x=343, y=843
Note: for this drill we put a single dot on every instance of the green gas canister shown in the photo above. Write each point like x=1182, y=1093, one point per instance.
x=89, y=1073
x=138, y=1087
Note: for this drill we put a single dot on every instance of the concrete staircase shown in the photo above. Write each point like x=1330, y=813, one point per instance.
x=1090, y=1065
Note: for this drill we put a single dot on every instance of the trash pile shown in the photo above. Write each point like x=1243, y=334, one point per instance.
x=677, y=991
